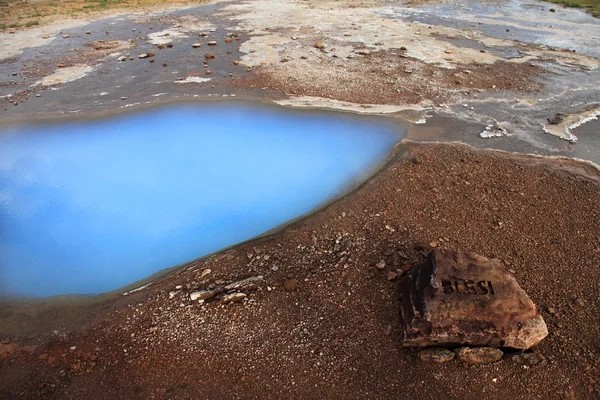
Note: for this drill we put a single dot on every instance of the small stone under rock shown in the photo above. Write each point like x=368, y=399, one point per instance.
x=436, y=354
x=528, y=359
x=479, y=355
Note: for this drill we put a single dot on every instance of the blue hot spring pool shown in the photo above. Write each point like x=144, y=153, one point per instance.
x=91, y=205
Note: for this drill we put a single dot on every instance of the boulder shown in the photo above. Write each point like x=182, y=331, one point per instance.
x=458, y=299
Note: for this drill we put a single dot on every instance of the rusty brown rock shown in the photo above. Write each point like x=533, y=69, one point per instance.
x=466, y=299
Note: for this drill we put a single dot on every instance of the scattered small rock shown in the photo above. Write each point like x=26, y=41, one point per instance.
x=212, y=43
x=65, y=36
x=206, y=272
x=164, y=64
x=392, y=275
x=479, y=355
x=60, y=65
x=228, y=40
x=436, y=355
x=88, y=33
x=143, y=55
x=320, y=45
x=245, y=284
x=529, y=359
x=380, y=264
x=233, y=298
x=449, y=51
x=169, y=45
x=45, y=37
x=122, y=58
x=196, y=45
x=202, y=295
x=209, y=56
x=237, y=62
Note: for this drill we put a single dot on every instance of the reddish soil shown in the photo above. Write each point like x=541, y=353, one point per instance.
x=387, y=77
x=333, y=329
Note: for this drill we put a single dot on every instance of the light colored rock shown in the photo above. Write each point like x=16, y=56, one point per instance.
x=244, y=284
x=466, y=299
x=196, y=45
x=479, y=355
x=202, y=295
x=233, y=298
x=143, y=55
x=380, y=264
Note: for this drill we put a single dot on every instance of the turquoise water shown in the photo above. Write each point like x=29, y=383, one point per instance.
x=90, y=206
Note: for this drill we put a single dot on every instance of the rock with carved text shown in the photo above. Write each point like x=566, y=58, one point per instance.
x=458, y=299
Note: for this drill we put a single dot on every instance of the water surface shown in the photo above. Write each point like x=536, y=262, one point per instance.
x=89, y=206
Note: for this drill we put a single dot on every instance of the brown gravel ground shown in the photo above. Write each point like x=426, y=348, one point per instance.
x=388, y=77
x=337, y=334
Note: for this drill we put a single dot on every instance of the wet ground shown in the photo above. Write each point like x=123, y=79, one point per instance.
x=513, y=31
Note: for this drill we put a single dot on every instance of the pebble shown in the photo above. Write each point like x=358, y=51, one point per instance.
x=479, y=355
x=449, y=51
x=290, y=284
x=169, y=45
x=529, y=359
x=320, y=45
x=122, y=58
x=380, y=264
x=209, y=56
x=228, y=40
x=88, y=33
x=237, y=62
x=60, y=65
x=45, y=37
x=233, y=298
x=436, y=354
x=6, y=340
x=143, y=55
x=38, y=95
x=392, y=275
x=212, y=43
x=123, y=98
x=202, y=295
x=65, y=36
x=196, y=45
x=205, y=272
